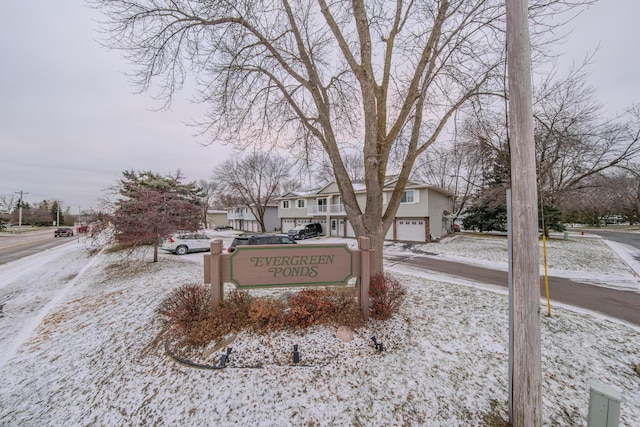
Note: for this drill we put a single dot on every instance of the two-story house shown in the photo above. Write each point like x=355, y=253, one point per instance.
x=423, y=215
x=242, y=218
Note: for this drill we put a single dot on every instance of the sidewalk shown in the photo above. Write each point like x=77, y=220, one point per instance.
x=626, y=254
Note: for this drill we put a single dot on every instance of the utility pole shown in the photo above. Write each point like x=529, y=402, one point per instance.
x=20, y=209
x=527, y=393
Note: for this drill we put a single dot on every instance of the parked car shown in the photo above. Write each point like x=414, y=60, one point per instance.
x=260, y=239
x=305, y=231
x=63, y=232
x=182, y=243
x=223, y=227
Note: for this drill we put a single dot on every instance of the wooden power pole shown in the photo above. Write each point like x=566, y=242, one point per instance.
x=527, y=395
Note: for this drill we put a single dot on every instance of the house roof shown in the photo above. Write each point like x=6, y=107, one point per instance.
x=360, y=187
x=268, y=205
x=294, y=194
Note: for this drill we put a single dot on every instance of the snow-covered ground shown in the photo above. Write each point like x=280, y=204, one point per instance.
x=79, y=346
x=586, y=259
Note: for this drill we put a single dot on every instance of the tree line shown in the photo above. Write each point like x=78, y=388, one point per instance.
x=588, y=166
x=40, y=214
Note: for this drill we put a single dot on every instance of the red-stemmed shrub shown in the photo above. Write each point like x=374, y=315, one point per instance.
x=386, y=295
x=186, y=305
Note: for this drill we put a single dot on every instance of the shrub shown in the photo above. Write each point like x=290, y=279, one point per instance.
x=234, y=310
x=232, y=316
x=202, y=332
x=386, y=295
x=267, y=314
x=186, y=305
x=346, y=310
x=310, y=306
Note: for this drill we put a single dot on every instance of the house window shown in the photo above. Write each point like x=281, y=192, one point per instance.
x=408, y=197
x=285, y=204
x=302, y=203
x=322, y=205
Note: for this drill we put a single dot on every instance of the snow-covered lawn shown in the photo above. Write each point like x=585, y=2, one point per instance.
x=79, y=346
x=586, y=259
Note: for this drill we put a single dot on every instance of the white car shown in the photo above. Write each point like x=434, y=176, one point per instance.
x=182, y=243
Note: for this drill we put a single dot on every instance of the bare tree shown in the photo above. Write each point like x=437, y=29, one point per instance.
x=208, y=189
x=573, y=143
x=627, y=194
x=317, y=76
x=353, y=164
x=615, y=195
x=226, y=200
x=590, y=203
x=457, y=168
x=8, y=202
x=255, y=179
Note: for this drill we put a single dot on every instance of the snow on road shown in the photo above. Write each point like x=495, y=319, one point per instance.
x=93, y=358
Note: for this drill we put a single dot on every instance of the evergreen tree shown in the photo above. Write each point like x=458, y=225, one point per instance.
x=55, y=206
x=152, y=206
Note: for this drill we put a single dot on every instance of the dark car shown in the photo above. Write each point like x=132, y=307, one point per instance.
x=260, y=239
x=223, y=227
x=63, y=232
x=305, y=231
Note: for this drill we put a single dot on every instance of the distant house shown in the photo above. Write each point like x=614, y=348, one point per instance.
x=216, y=217
x=242, y=218
x=423, y=215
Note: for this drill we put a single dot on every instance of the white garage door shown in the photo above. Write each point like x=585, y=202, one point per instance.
x=411, y=230
x=288, y=224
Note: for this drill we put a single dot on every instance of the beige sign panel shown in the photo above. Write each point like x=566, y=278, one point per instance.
x=256, y=266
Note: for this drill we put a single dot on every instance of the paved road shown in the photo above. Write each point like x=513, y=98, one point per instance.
x=620, y=236
x=623, y=305
x=16, y=246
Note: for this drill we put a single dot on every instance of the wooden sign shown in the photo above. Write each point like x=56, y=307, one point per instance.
x=289, y=265
x=264, y=265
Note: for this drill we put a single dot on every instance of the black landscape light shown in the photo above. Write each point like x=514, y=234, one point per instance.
x=225, y=357
x=296, y=355
x=378, y=345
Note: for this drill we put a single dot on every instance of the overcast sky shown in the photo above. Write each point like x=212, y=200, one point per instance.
x=70, y=122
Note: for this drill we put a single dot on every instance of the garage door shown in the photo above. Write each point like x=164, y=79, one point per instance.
x=411, y=230
x=288, y=224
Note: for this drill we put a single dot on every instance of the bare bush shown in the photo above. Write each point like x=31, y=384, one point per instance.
x=186, y=305
x=267, y=314
x=386, y=295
